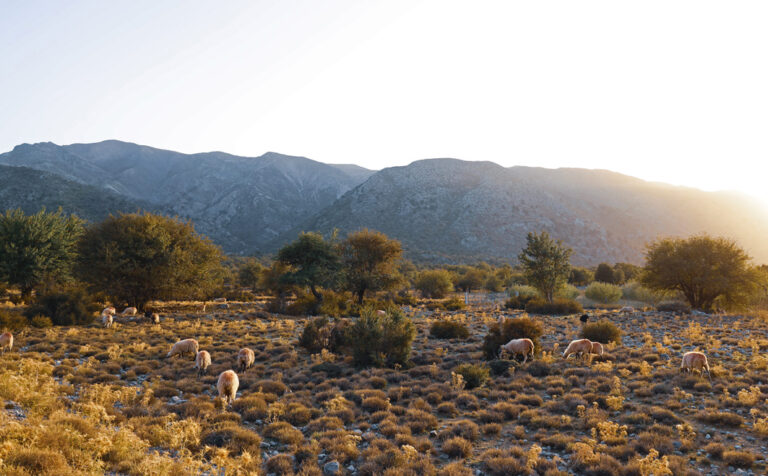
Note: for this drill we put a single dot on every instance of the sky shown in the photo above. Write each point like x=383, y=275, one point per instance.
x=670, y=91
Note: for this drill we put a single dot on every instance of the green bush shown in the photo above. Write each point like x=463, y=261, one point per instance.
x=518, y=302
x=12, y=321
x=522, y=290
x=335, y=304
x=405, y=299
x=499, y=367
x=568, y=291
x=635, y=291
x=454, y=304
x=603, y=331
x=320, y=333
x=305, y=305
x=517, y=328
x=554, y=308
x=65, y=307
x=381, y=340
x=40, y=322
x=434, y=284
x=474, y=375
x=448, y=329
x=603, y=292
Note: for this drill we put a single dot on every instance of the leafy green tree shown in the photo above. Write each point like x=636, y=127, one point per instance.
x=703, y=268
x=629, y=271
x=604, y=273
x=545, y=263
x=135, y=258
x=313, y=262
x=580, y=276
x=472, y=278
x=370, y=262
x=435, y=283
x=273, y=280
x=65, y=307
x=37, y=247
x=249, y=273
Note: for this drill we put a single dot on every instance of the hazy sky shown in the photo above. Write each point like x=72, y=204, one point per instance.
x=663, y=90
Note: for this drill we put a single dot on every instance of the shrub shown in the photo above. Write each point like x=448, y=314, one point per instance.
x=435, y=284
x=64, y=308
x=739, y=459
x=568, y=291
x=603, y=292
x=454, y=304
x=320, y=333
x=518, y=328
x=474, y=375
x=603, y=331
x=12, y=321
x=518, y=302
x=448, y=329
x=635, y=291
x=556, y=307
x=234, y=438
x=499, y=367
x=522, y=290
x=457, y=447
x=335, y=304
x=305, y=305
x=381, y=340
x=40, y=322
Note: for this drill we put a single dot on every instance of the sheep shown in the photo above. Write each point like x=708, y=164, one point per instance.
x=627, y=309
x=245, y=359
x=227, y=385
x=502, y=319
x=518, y=346
x=129, y=311
x=106, y=320
x=695, y=361
x=109, y=310
x=202, y=362
x=184, y=346
x=597, y=349
x=152, y=317
x=6, y=342
x=581, y=347
x=381, y=313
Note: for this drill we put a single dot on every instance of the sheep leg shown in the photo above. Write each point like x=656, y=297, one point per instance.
x=525, y=358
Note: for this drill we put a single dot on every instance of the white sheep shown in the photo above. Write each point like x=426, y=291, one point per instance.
x=627, y=309
x=202, y=362
x=130, y=311
x=227, y=386
x=597, y=349
x=109, y=310
x=106, y=320
x=695, y=361
x=155, y=319
x=184, y=346
x=581, y=347
x=245, y=358
x=6, y=342
x=518, y=346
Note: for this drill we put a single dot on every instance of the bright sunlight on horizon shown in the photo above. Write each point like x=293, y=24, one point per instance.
x=664, y=91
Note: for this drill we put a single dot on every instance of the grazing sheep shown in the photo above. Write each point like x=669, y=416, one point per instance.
x=584, y=318
x=6, y=341
x=581, y=347
x=109, y=310
x=130, y=311
x=227, y=385
x=245, y=358
x=597, y=349
x=106, y=320
x=518, y=346
x=627, y=309
x=202, y=362
x=184, y=346
x=695, y=361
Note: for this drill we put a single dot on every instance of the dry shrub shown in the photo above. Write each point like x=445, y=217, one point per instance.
x=603, y=331
x=517, y=328
x=457, y=447
x=284, y=433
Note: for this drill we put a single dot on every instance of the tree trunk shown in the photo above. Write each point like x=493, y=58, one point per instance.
x=360, y=294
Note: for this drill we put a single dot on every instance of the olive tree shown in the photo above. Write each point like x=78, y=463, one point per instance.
x=545, y=263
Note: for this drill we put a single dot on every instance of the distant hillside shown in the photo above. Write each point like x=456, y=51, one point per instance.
x=443, y=210
x=451, y=211
x=241, y=202
x=30, y=190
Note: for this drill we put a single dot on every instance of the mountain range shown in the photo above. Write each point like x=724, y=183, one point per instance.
x=443, y=210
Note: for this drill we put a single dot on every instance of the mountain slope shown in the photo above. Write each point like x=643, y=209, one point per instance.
x=30, y=190
x=241, y=202
x=450, y=210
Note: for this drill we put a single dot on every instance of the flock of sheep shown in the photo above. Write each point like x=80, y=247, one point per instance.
x=228, y=382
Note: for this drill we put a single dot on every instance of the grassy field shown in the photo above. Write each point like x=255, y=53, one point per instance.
x=94, y=401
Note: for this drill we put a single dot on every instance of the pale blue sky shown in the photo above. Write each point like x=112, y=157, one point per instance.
x=663, y=90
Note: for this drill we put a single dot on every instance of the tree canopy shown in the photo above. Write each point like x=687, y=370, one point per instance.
x=703, y=268
x=313, y=262
x=370, y=261
x=135, y=258
x=37, y=247
x=546, y=263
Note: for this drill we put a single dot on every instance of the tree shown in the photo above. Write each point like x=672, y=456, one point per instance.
x=369, y=259
x=604, y=273
x=313, y=263
x=249, y=273
x=37, y=247
x=434, y=283
x=273, y=280
x=545, y=263
x=703, y=268
x=473, y=278
x=135, y=258
x=630, y=271
x=580, y=276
